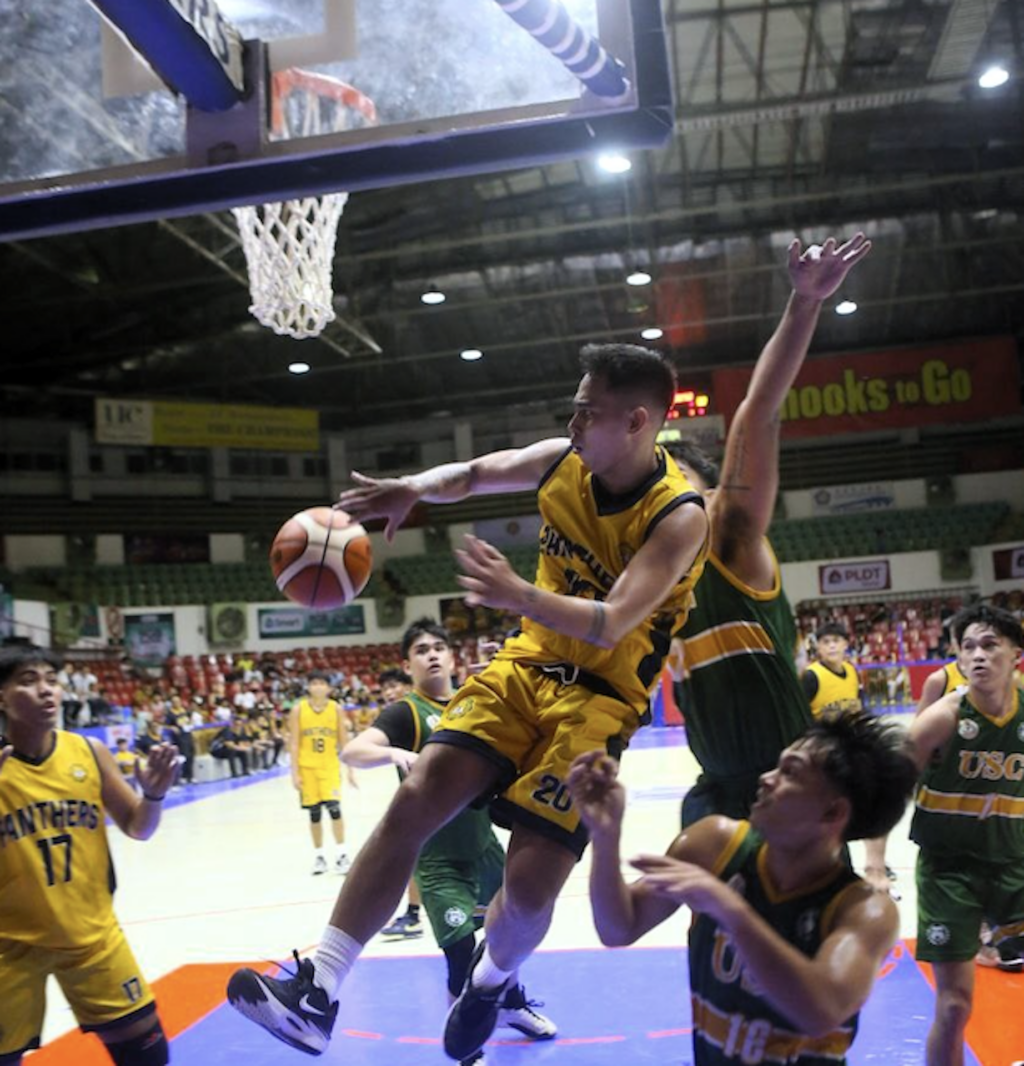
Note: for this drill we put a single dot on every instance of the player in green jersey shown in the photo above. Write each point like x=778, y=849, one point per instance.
x=969, y=819
x=786, y=940
x=461, y=865
x=743, y=699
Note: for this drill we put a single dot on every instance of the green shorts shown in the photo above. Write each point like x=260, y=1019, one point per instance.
x=456, y=893
x=954, y=896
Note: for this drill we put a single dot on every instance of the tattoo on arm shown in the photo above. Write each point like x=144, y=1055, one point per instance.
x=448, y=482
x=596, y=624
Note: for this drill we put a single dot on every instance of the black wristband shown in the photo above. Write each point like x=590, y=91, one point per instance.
x=152, y=799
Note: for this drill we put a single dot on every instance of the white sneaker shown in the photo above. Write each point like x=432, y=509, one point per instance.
x=518, y=1012
x=319, y=865
x=342, y=864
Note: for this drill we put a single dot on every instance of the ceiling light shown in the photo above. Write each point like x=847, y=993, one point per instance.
x=994, y=77
x=639, y=277
x=471, y=355
x=614, y=163
x=652, y=333
x=847, y=307
x=298, y=368
x=433, y=296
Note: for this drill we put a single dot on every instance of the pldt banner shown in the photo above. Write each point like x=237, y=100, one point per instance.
x=870, y=575
x=963, y=381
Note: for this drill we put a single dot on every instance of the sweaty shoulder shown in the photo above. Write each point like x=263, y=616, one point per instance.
x=708, y=842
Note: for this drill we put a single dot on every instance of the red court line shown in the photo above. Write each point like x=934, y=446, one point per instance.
x=183, y=997
x=995, y=1032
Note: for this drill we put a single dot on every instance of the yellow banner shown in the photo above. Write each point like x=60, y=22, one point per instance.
x=206, y=425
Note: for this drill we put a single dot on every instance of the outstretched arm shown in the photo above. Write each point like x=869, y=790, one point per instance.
x=625, y=912
x=743, y=505
x=515, y=470
x=373, y=748
x=639, y=590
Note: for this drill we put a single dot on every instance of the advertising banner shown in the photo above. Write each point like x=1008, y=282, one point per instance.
x=149, y=638
x=206, y=425
x=854, y=499
x=840, y=579
x=1008, y=563
x=287, y=622
x=941, y=384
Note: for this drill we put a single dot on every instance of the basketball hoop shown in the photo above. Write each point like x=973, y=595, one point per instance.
x=289, y=246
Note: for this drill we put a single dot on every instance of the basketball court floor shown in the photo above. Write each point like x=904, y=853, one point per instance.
x=227, y=881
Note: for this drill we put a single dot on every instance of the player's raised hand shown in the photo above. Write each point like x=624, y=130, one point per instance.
x=159, y=772
x=818, y=271
x=390, y=497
x=597, y=793
x=685, y=882
x=5, y=754
x=488, y=576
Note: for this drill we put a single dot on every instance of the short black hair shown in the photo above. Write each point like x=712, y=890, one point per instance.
x=831, y=629
x=632, y=368
x=698, y=460
x=15, y=656
x=427, y=625
x=870, y=761
x=317, y=675
x=1003, y=622
x=393, y=674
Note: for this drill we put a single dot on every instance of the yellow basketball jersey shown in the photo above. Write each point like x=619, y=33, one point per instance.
x=834, y=692
x=56, y=877
x=954, y=677
x=318, y=734
x=587, y=537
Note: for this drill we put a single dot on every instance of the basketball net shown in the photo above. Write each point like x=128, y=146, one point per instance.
x=289, y=246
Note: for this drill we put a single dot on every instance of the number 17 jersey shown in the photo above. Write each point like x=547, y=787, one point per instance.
x=56, y=876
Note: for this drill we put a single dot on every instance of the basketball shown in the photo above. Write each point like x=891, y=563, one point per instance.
x=321, y=558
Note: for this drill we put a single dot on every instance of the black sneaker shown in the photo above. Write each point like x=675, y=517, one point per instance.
x=404, y=927
x=473, y=1015
x=295, y=1010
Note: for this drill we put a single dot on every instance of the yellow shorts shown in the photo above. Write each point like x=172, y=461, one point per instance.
x=319, y=784
x=102, y=983
x=532, y=726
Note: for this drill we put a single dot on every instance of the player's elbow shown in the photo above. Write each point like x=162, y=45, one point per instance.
x=615, y=937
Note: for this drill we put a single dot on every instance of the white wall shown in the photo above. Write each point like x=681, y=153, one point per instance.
x=34, y=549
x=32, y=621
x=227, y=548
x=109, y=549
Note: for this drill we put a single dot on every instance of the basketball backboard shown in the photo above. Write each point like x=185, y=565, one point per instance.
x=90, y=137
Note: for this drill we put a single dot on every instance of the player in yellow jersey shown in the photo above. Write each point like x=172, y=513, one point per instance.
x=623, y=540
x=831, y=683
x=56, y=877
x=317, y=733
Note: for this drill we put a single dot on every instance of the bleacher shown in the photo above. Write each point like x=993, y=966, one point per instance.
x=887, y=532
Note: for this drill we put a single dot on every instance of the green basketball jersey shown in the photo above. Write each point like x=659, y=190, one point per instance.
x=971, y=798
x=744, y=700
x=466, y=836
x=732, y=1022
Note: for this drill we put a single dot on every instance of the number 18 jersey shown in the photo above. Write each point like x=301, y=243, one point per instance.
x=56, y=876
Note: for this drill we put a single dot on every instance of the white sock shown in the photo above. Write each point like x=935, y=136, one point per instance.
x=335, y=956
x=319, y=853
x=486, y=974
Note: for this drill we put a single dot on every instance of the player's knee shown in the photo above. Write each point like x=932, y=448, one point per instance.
x=333, y=809
x=146, y=1049
x=953, y=1007
x=412, y=811
x=316, y=813
x=524, y=898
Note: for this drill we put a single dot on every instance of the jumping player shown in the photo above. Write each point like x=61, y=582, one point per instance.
x=317, y=734
x=743, y=698
x=622, y=543
x=969, y=819
x=786, y=940
x=461, y=865
x=56, y=877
